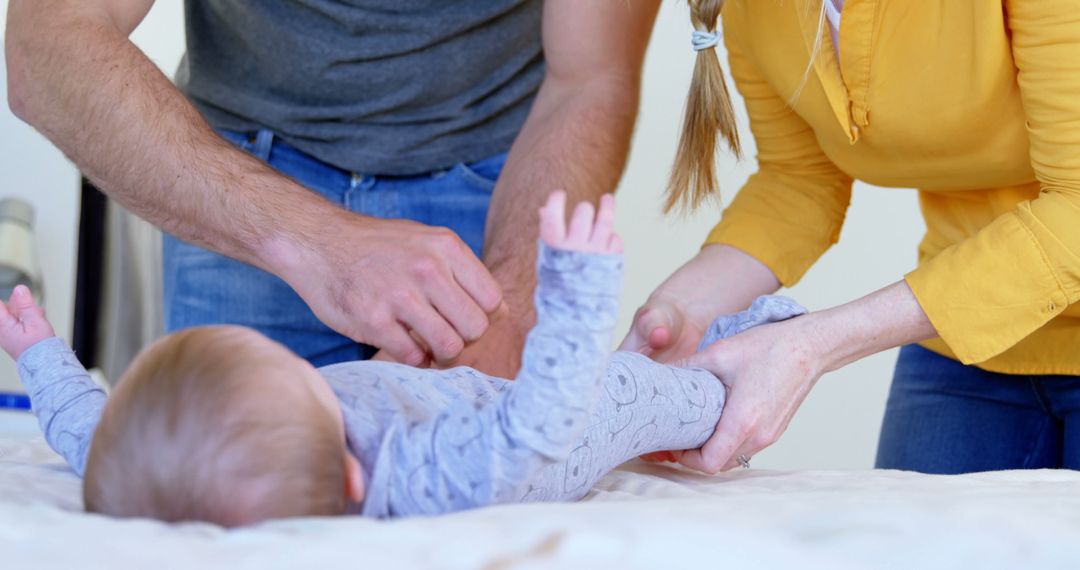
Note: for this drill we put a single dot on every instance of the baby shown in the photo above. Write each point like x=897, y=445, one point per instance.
x=221, y=424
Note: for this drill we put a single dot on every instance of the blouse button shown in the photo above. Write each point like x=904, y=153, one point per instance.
x=1050, y=307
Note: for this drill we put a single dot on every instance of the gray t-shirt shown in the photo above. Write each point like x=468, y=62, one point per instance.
x=392, y=87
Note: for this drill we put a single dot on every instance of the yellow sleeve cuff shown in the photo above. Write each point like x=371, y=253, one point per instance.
x=985, y=294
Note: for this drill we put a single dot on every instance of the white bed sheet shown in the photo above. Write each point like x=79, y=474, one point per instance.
x=640, y=516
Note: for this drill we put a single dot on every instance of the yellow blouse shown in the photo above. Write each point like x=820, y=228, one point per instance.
x=976, y=104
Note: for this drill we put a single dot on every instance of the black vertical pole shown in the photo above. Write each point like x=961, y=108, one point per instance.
x=89, y=273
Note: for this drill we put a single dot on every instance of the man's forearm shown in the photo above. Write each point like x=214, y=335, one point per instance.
x=75, y=76
x=576, y=138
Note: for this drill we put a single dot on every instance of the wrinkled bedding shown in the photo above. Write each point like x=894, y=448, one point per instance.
x=640, y=516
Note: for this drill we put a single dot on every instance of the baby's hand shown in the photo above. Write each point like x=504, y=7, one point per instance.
x=584, y=234
x=22, y=323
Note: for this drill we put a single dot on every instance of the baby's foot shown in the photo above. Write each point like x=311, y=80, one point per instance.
x=584, y=233
x=22, y=323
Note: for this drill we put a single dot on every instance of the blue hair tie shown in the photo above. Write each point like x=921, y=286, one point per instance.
x=705, y=40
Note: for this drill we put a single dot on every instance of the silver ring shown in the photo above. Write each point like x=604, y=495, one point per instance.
x=744, y=461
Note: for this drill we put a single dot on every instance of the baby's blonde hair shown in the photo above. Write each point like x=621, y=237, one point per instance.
x=189, y=434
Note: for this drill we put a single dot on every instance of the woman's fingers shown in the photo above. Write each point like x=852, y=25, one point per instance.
x=655, y=327
x=768, y=371
x=734, y=428
x=719, y=453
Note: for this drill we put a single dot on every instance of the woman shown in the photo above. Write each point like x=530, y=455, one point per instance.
x=977, y=104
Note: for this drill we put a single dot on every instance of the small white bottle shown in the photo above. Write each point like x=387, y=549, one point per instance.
x=18, y=253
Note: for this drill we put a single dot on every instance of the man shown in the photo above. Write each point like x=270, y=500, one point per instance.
x=384, y=109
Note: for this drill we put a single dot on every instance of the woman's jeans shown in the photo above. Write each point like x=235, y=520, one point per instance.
x=945, y=417
x=203, y=287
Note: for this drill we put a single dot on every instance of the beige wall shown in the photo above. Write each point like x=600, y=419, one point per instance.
x=837, y=428
x=31, y=168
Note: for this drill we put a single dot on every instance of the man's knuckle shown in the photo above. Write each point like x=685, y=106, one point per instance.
x=401, y=298
x=379, y=319
x=447, y=240
x=425, y=268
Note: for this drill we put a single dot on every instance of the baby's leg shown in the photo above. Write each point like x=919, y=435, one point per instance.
x=644, y=406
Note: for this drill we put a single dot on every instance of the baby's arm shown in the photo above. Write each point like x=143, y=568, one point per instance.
x=67, y=403
x=469, y=456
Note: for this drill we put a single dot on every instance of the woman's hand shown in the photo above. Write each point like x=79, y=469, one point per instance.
x=663, y=332
x=769, y=370
x=719, y=280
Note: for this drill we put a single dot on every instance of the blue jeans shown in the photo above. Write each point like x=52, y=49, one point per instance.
x=203, y=287
x=945, y=417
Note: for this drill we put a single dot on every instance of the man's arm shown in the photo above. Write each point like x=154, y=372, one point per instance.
x=74, y=75
x=576, y=138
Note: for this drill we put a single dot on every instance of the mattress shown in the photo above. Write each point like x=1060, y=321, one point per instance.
x=640, y=516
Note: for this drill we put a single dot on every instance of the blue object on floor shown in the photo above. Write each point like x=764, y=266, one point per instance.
x=10, y=401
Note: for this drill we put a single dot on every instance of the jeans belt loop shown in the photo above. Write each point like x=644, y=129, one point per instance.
x=264, y=141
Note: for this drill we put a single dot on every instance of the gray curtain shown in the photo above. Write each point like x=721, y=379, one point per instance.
x=131, y=310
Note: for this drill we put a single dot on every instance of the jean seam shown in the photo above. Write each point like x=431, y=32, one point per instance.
x=1047, y=424
x=1040, y=396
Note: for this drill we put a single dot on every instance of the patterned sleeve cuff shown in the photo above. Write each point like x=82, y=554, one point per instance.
x=581, y=272
x=42, y=353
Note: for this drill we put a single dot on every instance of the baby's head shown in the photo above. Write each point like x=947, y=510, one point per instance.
x=220, y=424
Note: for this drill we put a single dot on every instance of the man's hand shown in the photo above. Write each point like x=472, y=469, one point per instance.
x=22, y=323
x=73, y=74
x=498, y=352
x=415, y=291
